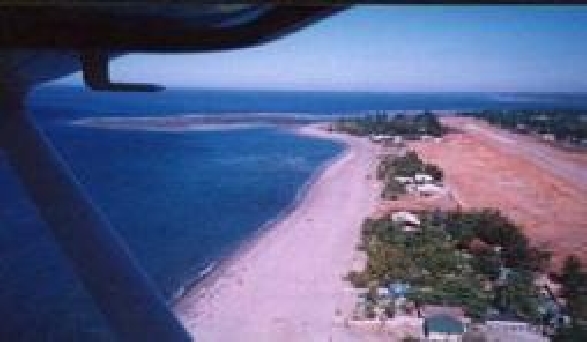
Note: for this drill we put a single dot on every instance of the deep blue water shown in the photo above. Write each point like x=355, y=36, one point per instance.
x=83, y=103
x=180, y=200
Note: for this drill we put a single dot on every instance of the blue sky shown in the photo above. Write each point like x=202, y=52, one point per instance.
x=395, y=49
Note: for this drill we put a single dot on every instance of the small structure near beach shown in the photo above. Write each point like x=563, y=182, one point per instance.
x=399, y=290
x=508, y=327
x=380, y=138
x=423, y=178
x=444, y=323
x=428, y=189
x=409, y=221
x=443, y=328
x=388, y=140
x=404, y=179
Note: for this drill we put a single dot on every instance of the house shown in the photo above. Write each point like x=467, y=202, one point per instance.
x=398, y=290
x=509, y=327
x=380, y=138
x=403, y=179
x=410, y=229
x=428, y=189
x=443, y=328
x=550, y=287
x=423, y=178
x=434, y=310
x=396, y=140
x=411, y=188
x=405, y=217
x=521, y=126
x=548, y=137
x=409, y=221
x=382, y=292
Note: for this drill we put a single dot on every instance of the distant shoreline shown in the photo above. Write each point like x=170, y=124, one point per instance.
x=216, y=122
x=196, y=122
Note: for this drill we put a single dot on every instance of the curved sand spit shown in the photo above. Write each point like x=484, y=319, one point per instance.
x=287, y=285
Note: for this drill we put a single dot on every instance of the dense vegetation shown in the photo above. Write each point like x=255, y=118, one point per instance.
x=565, y=125
x=494, y=229
x=574, y=289
x=408, y=126
x=446, y=267
x=407, y=165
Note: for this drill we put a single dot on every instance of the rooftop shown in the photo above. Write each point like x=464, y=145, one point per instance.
x=444, y=324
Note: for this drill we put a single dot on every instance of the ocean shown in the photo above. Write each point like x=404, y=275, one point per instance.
x=181, y=200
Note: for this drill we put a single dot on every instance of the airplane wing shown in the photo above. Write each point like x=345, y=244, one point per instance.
x=40, y=42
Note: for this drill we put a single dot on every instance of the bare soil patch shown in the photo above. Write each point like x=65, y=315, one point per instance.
x=540, y=187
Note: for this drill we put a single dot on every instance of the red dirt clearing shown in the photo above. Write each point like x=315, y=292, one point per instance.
x=539, y=187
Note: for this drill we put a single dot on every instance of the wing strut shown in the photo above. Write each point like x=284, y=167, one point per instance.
x=124, y=294
x=96, y=71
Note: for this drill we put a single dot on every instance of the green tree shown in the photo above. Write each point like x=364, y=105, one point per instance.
x=574, y=288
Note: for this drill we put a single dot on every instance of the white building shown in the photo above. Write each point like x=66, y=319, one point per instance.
x=405, y=217
x=508, y=329
x=423, y=178
x=428, y=189
x=403, y=179
x=380, y=138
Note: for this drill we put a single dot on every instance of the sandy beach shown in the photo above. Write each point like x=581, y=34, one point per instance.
x=288, y=285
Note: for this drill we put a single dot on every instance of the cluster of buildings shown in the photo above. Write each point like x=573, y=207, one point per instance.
x=388, y=140
x=393, y=311
x=550, y=137
x=421, y=184
x=444, y=323
x=398, y=140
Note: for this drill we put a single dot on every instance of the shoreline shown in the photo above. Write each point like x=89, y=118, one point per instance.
x=299, y=231
x=216, y=268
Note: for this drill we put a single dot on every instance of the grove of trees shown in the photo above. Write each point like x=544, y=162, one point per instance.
x=441, y=263
x=408, y=126
x=568, y=125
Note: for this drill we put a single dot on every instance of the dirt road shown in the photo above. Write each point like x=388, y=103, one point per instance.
x=540, y=187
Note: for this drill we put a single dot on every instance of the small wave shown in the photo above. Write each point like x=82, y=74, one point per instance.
x=182, y=290
x=178, y=294
x=211, y=266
